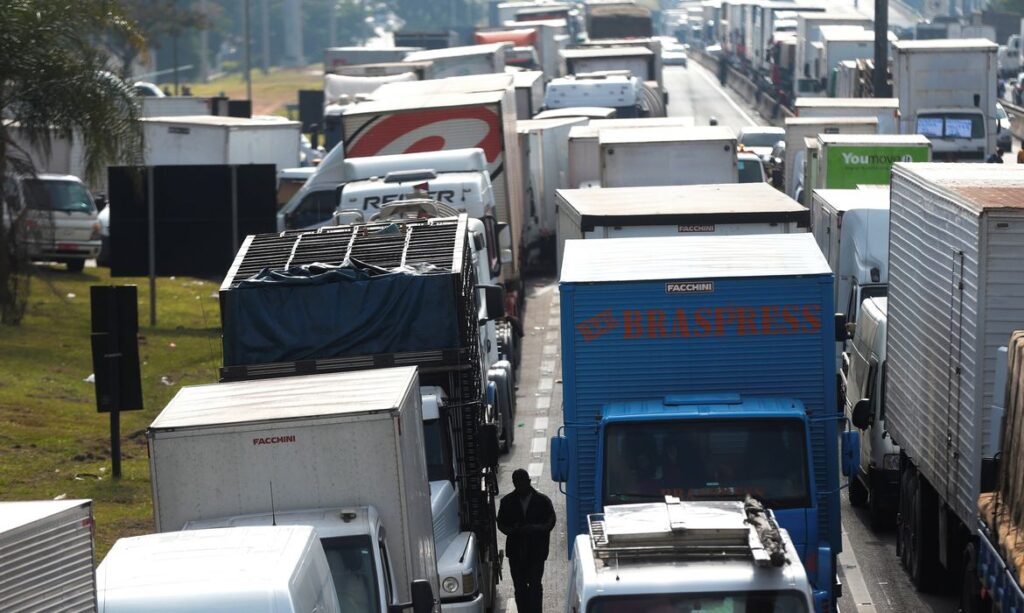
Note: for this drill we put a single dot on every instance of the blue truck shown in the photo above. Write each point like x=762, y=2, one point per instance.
x=703, y=368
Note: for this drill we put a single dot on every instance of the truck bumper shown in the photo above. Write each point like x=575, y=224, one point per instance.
x=465, y=604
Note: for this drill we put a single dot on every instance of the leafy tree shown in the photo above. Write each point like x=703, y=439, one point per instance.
x=159, y=22
x=53, y=82
x=436, y=15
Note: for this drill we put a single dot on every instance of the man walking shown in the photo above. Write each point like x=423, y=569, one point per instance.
x=527, y=518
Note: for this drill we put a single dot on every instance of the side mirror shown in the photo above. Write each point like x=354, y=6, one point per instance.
x=841, y=331
x=861, y=416
x=494, y=298
x=559, y=459
x=489, y=450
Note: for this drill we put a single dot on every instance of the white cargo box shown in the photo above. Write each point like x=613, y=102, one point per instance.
x=886, y=110
x=639, y=61
x=311, y=442
x=667, y=156
x=613, y=90
x=529, y=86
x=336, y=57
x=462, y=61
x=584, y=152
x=46, y=556
x=171, y=106
x=212, y=139
x=800, y=128
x=956, y=290
x=623, y=212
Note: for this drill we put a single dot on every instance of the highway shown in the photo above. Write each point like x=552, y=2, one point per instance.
x=871, y=573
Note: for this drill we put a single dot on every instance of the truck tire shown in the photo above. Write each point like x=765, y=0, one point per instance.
x=919, y=534
x=857, y=493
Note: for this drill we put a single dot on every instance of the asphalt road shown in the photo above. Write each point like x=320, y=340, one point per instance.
x=869, y=568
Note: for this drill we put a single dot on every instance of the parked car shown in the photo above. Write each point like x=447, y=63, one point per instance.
x=673, y=54
x=1004, y=139
x=750, y=167
x=58, y=218
x=760, y=139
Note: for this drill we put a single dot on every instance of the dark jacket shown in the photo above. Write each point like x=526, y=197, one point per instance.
x=529, y=536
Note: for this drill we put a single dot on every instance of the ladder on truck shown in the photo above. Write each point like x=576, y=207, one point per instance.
x=690, y=530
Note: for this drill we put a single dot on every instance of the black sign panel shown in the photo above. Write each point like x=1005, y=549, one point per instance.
x=195, y=216
x=311, y=109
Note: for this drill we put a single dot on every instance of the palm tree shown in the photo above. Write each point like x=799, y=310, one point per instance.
x=54, y=82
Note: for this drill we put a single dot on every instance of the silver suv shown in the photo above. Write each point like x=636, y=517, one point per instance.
x=57, y=217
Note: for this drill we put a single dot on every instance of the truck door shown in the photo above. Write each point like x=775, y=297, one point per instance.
x=954, y=424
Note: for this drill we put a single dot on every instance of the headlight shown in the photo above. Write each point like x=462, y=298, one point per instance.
x=450, y=585
x=891, y=461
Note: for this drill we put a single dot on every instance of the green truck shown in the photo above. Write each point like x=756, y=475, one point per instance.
x=844, y=161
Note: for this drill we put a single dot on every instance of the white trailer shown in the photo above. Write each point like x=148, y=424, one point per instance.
x=624, y=212
x=210, y=139
x=318, y=442
x=886, y=110
x=946, y=91
x=544, y=144
x=462, y=61
x=808, y=32
x=46, y=556
x=667, y=156
x=584, y=152
x=841, y=43
x=541, y=37
x=529, y=86
x=798, y=129
x=956, y=287
x=336, y=57
x=171, y=106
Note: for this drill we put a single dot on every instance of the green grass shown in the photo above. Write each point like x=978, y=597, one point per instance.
x=270, y=92
x=52, y=440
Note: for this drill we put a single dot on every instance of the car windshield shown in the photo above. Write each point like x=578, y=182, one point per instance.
x=707, y=459
x=750, y=171
x=732, y=602
x=760, y=139
x=64, y=196
x=353, y=571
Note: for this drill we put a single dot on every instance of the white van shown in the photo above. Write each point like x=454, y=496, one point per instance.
x=272, y=569
x=57, y=218
x=875, y=481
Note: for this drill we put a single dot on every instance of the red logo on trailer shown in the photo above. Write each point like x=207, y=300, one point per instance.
x=768, y=319
x=416, y=131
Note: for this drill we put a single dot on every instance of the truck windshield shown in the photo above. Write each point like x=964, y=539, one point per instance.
x=433, y=439
x=707, y=459
x=354, y=572
x=62, y=196
x=951, y=125
x=750, y=602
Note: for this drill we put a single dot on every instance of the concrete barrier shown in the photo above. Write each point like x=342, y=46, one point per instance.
x=1016, y=114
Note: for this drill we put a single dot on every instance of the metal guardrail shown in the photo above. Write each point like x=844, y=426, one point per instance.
x=1016, y=114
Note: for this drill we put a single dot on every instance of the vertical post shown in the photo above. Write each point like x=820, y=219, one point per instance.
x=152, y=246
x=113, y=358
x=879, y=76
x=265, y=35
x=234, y=209
x=174, y=58
x=248, y=53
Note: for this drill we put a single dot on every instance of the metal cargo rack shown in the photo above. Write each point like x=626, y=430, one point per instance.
x=685, y=530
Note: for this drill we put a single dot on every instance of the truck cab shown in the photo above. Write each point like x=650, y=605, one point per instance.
x=875, y=472
x=959, y=134
x=685, y=556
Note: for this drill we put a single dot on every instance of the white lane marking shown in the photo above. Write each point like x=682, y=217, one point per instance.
x=547, y=366
x=551, y=335
x=539, y=445
x=545, y=384
x=550, y=349
x=544, y=403
x=535, y=469
x=858, y=589
x=727, y=97
x=540, y=423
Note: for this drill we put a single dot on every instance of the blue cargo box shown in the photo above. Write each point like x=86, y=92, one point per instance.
x=648, y=318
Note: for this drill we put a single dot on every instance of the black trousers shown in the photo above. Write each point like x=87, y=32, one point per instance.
x=526, y=577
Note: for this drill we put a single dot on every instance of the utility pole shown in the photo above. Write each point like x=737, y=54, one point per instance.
x=265, y=35
x=248, y=53
x=879, y=77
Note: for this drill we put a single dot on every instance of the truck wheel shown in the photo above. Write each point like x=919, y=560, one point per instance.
x=922, y=537
x=857, y=493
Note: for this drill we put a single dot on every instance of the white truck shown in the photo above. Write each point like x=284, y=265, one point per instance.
x=343, y=452
x=46, y=556
x=335, y=57
x=618, y=90
x=169, y=106
x=808, y=34
x=462, y=61
x=585, y=153
x=667, y=156
x=544, y=145
x=946, y=91
x=211, y=139
x=543, y=38
x=886, y=110
x=686, y=210
x=798, y=129
x=686, y=556
x=529, y=86
x=956, y=242
x=263, y=569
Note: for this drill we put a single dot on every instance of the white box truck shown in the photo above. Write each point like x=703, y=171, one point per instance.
x=211, y=139
x=46, y=556
x=798, y=129
x=336, y=57
x=264, y=569
x=169, y=106
x=956, y=290
x=677, y=210
x=946, y=90
x=529, y=86
x=886, y=110
x=667, y=156
x=462, y=61
x=584, y=152
x=808, y=32
x=342, y=452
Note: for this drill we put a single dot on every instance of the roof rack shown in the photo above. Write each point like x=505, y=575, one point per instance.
x=696, y=530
